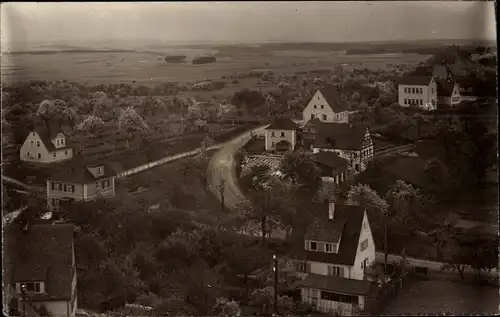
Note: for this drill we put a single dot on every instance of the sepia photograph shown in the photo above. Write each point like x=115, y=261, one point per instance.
x=249, y=158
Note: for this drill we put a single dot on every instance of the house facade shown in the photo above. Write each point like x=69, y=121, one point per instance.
x=419, y=92
x=42, y=262
x=43, y=147
x=281, y=135
x=449, y=95
x=352, y=142
x=326, y=106
x=338, y=247
x=85, y=183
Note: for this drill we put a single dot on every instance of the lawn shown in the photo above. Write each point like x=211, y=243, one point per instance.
x=442, y=296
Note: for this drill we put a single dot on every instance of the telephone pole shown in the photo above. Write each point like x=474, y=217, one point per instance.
x=275, y=270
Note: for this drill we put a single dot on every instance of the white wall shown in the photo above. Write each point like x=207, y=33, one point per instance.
x=319, y=100
x=290, y=136
x=428, y=95
x=368, y=253
x=322, y=268
x=57, y=308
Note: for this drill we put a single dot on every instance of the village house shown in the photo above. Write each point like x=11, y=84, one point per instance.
x=338, y=247
x=352, y=142
x=333, y=168
x=327, y=106
x=281, y=135
x=40, y=270
x=45, y=145
x=80, y=182
x=419, y=92
x=448, y=94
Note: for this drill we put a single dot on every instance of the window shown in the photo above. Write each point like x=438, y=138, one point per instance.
x=328, y=247
x=54, y=154
x=364, y=244
x=272, y=133
x=406, y=101
x=282, y=134
x=322, y=107
x=39, y=155
x=55, y=202
x=38, y=143
x=274, y=144
x=57, y=141
x=62, y=141
x=99, y=170
x=65, y=152
x=313, y=246
x=69, y=188
x=421, y=90
x=336, y=297
x=107, y=183
x=315, y=107
x=32, y=143
x=302, y=267
x=335, y=271
x=421, y=102
x=312, y=116
x=32, y=287
x=324, y=117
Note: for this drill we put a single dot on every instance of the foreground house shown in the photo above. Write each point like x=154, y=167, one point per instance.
x=338, y=247
x=352, y=142
x=419, y=92
x=80, y=182
x=281, y=135
x=40, y=258
x=327, y=106
x=45, y=145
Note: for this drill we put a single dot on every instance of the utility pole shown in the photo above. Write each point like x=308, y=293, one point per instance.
x=275, y=270
x=23, y=298
x=220, y=188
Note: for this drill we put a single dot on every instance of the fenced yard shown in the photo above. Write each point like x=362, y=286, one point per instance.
x=273, y=161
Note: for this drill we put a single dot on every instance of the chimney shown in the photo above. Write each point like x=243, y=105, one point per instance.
x=331, y=210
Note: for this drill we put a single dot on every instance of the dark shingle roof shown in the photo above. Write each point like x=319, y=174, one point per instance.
x=340, y=135
x=332, y=96
x=331, y=160
x=282, y=123
x=445, y=88
x=78, y=172
x=352, y=216
x=46, y=135
x=415, y=80
x=338, y=284
x=43, y=253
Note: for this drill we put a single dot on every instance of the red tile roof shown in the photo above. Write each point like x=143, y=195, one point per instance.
x=445, y=88
x=415, y=80
x=77, y=172
x=42, y=253
x=344, y=136
x=282, y=123
x=331, y=160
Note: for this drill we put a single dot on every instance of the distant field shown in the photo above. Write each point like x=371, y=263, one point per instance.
x=127, y=66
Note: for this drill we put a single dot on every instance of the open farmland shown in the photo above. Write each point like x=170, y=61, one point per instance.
x=128, y=66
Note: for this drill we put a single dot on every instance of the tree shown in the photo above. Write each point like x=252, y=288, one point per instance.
x=88, y=125
x=435, y=170
x=302, y=171
x=56, y=111
x=226, y=308
x=419, y=119
x=131, y=122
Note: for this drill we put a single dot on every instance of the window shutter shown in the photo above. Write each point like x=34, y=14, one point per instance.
x=72, y=188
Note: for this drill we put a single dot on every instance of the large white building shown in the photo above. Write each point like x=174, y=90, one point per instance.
x=326, y=106
x=281, y=135
x=338, y=247
x=418, y=91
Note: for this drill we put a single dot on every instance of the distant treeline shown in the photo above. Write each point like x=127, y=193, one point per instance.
x=79, y=51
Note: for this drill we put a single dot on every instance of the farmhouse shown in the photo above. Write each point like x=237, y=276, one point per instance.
x=338, y=247
x=333, y=168
x=326, y=106
x=281, y=135
x=352, y=142
x=45, y=145
x=80, y=182
x=418, y=91
x=448, y=94
x=40, y=269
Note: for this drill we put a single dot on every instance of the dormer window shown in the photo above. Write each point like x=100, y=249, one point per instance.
x=313, y=246
x=62, y=141
x=99, y=170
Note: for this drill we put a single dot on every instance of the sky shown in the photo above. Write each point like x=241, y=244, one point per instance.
x=305, y=21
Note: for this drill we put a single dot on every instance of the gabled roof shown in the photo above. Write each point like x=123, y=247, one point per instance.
x=344, y=136
x=445, y=88
x=77, y=172
x=47, y=135
x=338, y=284
x=330, y=159
x=415, y=80
x=332, y=96
x=352, y=217
x=282, y=123
x=42, y=253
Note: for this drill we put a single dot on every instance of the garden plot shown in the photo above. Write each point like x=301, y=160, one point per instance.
x=272, y=161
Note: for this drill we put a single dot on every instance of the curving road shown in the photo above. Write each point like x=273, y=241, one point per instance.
x=222, y=166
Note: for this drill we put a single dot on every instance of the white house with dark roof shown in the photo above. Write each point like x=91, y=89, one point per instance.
x=327, y=106
x=352, y=142
x=419, y=92
x=338, y=247
x=80, y=181
x=449, y=95
x=281, y=135
x=45, y=145
x=40, y=258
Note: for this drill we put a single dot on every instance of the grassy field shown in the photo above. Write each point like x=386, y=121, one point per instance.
x=130, y=66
